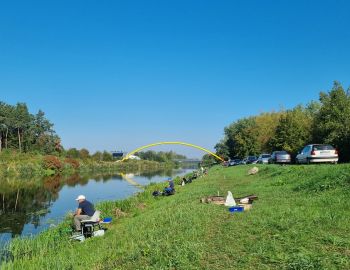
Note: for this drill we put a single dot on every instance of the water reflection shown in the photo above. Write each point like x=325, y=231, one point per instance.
x=24, y=205
x=30, y=206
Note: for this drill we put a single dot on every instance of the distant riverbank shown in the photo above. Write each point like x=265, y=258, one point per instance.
x=37, y=165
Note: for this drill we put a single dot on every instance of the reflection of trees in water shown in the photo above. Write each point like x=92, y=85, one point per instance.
x=27, y=201
x=73, y=180
x=151, y=174
x=22, y=206
x=106, y=178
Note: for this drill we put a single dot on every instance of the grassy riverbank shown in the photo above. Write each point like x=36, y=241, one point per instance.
x=301, y=221
x=27, y=165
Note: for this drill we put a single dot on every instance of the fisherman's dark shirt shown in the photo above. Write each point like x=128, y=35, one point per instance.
x=87, y=208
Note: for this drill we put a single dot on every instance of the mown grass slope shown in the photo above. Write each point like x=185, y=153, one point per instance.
x=301, y=221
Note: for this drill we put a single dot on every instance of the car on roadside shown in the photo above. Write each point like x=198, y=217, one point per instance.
x=280, y=157
x=235, y=162
x=263, y=159
x=251, y=160
x=317, y=153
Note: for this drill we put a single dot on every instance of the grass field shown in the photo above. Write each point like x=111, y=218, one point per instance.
x=301, y=221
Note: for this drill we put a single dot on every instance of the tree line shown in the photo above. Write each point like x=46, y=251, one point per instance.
x=26, y=132
x=160, y=156
x=324, y=121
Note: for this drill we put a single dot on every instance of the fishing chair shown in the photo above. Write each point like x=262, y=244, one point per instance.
x=88, y=226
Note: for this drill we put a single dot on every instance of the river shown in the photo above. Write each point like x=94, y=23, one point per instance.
x=31, y=206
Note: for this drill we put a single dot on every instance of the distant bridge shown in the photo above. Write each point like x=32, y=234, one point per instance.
x=187, y=160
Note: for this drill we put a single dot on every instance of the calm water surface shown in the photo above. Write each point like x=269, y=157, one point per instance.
x=29, y=207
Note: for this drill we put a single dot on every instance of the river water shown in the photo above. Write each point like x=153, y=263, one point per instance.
x=28, y=207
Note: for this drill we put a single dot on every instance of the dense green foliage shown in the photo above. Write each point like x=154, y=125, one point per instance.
x=85, y=155
x=23, y=131
x=160, y=156
x=28, y=165
x=326, y=121
x=332, y=123
x=300, y=221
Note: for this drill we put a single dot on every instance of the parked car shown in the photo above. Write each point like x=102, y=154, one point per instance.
x=251, y=160
x=280, y=157
x=316, y=153
x=263, y=159
x=235, y=162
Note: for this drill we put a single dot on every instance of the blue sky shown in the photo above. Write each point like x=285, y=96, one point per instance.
x=116, y=75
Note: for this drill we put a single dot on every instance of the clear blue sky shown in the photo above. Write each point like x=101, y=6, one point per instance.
x=120, y=74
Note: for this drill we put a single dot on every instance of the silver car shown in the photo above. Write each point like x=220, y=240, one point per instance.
x=264, y=159
x=280, y=157
x=316, y=153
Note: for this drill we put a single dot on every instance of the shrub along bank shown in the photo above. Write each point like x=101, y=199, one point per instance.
x=33, y=165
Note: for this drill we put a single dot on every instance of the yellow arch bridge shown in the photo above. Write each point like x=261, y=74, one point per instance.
x=167, y=143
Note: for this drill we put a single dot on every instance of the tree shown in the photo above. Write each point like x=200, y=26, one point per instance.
x=266, y=124
x=332, y=122
x=160, y=156
x=293, y=131
x=73, y=153
x=6, y=111
x=241, y=138
x=21, y=130
x=209, y=160
x=41, y=134
x=21, y=121
x=97, y=156
x=222, y=149
x=47, y=143
x=106, y=156
x=84, y=153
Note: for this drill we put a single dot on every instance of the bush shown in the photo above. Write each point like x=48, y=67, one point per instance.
x=73, y=162
x=52, y=162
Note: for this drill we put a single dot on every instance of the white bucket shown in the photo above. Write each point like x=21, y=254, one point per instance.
x=98, y=233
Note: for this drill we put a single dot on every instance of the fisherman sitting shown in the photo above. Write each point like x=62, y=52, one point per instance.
x=187, y=181
x=170, y=189
x=85, y=211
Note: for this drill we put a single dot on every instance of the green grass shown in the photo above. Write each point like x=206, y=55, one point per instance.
x=301, y=221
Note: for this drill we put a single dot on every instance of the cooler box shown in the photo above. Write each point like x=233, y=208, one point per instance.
x=107, y=220
x=236, y=209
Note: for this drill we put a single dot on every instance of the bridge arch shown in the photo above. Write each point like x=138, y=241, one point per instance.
x=179, y=143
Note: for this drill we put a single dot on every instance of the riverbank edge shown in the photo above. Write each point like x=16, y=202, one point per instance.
x=129, y=207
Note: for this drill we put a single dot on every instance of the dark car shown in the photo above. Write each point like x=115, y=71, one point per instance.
x=251, y=160
x=235, y=162
x=280, y=157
